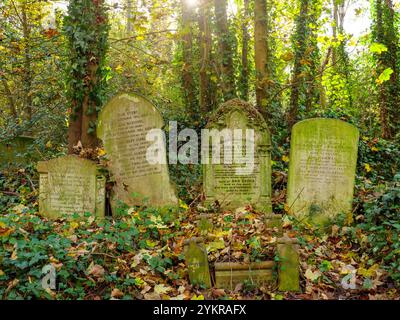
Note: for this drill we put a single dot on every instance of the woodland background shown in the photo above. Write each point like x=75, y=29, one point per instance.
x=61, y=61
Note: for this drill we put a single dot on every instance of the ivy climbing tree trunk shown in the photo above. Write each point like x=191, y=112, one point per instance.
x=206, y=90
x=261, y=54
x=244, y=72
x=87, y=38
x=27, y=78
x=188, y=81
x=304, y=82
x=226, y=51
x=389, y=101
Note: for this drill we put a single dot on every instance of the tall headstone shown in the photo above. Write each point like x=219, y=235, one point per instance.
x=323, y=159
x=16, y=151
x=123, y=126
x=70, y=185
x=232, y=183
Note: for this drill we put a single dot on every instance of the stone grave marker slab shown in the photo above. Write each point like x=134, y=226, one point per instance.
x=16, y=151
x=123, y=125
x=222, y=181
x=70, y=185
x=197, y=262
x=323, y=159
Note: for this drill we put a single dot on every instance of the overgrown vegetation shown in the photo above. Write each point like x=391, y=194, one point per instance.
x=294, y=60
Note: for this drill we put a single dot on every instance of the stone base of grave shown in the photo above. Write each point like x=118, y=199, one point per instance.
x=230, y=274
x=289, y=264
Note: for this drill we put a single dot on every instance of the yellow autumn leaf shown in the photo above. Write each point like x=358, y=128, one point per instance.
x=2, y=273
x=49, y=144
x=5, y=230
x=119, y=69
x=370, y=272
x=367, y=167
x=183, y=205
x=199, y=297
x=285, y=158
x=74, y=225
x=161, y=289
x=101, y=152
x=375, y=149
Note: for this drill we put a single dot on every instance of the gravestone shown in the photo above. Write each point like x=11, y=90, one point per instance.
x=123, y=126
x=289, y=264
x=197, y=262
x=16, y=151
x=231, y=183
x=70, y=185
x=323, y=159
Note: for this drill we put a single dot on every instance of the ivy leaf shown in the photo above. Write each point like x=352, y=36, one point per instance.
x=378, y=48
x=384, y=76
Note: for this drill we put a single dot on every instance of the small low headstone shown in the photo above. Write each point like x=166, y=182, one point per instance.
x=123, y=126
x=323, y=159
x=16, y=151
x=205, y=223
x=240, y=176
x=70, y=185
x=289, y=264
x=197, y=262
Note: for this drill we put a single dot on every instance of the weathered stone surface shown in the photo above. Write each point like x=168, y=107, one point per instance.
x=229, y=275
x=197, y=263
x=15, y=151
x=221, y=181
x=205, y=223
x=123, y=126
x=70, y=185
x=323, y=158
x=289, y=264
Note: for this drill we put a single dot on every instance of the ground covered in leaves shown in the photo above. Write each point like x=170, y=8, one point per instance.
x=140, y=256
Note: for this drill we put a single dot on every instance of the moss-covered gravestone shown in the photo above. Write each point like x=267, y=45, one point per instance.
x=16, y=151
x=70, y=185
x=230, y=182
x=123, y=126
x=289, y=264
x=323, y=158
x=197, y=262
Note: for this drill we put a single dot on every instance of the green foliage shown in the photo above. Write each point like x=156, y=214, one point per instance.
x=383, y=227
x=87, y=255
x=87, y=36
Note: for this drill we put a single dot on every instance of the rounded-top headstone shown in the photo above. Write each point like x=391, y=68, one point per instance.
x=123, y=126
x=323, y=159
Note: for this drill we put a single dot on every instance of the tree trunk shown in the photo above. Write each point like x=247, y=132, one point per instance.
x=389, y=99
x=244, y=73
x=188, y=82
x=300, y=48
x=206, y=101
x=10, y=98
x=27, y=77
x=226, y=45
x=129, y=27
x=261, y=55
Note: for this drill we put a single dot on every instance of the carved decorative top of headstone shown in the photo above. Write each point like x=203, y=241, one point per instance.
x=70, y=185
x=323, y=158
x=123, y=126
x=231, y=183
